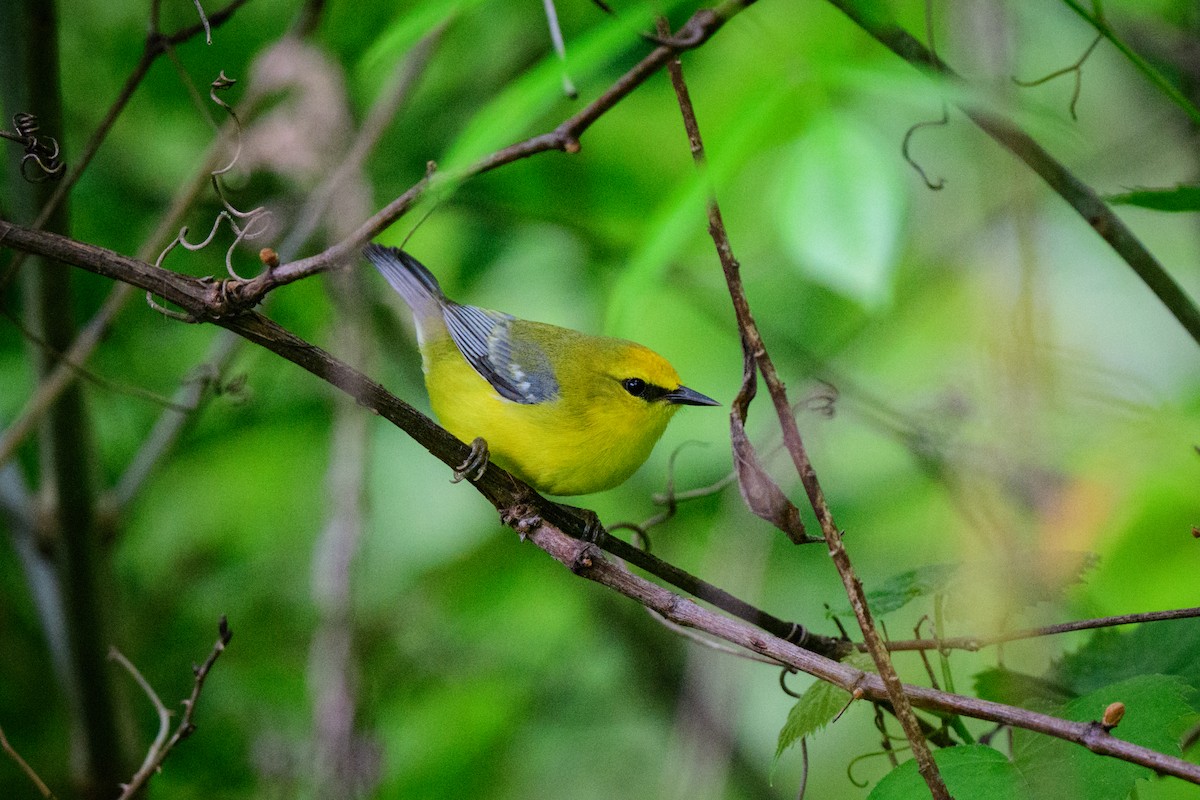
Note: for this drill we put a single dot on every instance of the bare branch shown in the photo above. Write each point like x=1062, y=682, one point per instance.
x=34, y=778
x=162, y=746
x=164, y=716
x=585, y=560
x=973, y=643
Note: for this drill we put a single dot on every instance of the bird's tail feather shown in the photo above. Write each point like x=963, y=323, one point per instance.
x=407, y=276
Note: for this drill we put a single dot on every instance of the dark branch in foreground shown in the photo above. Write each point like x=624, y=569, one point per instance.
x=562, y=531
x=203, y=300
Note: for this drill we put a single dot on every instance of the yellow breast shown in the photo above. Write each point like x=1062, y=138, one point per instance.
x=592, y=436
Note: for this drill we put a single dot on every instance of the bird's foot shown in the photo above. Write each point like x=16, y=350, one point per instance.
x=475, y=464
x=593, y=530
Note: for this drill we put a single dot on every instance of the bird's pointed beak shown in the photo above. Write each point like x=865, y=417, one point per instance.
x=683, y=396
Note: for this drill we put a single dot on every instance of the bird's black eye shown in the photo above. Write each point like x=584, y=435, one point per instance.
x=635, y=386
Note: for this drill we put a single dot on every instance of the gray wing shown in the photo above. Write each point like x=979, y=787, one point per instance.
x=520, y=371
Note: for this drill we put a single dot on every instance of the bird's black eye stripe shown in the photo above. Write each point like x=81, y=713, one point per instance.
x=640, y=388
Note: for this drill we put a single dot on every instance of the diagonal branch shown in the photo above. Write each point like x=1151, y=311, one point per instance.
x=162, y=746
x=203, y=299
x=563, y=532
x=1078, y=194
x=29, y=771
x=565, y=138
x=587, y=562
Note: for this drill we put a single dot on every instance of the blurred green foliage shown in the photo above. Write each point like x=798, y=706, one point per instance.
x=1006, y=389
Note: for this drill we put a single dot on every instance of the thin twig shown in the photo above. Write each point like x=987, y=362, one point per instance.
x=1075, y=68
x=585, y=561
x=203, y=300
x=387, y=104
x=972, y=643
x=560, y=48
x=756, y=349
x=940, y=183
x=160, y=749
x=164, y=716
x=34, y=778
x=803, y=768
x=1097, y=21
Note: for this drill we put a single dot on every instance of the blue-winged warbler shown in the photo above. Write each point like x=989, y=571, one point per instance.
x=566, y=412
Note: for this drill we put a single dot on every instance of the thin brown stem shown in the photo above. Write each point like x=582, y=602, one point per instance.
x=164, y=716
x=23, y=765
x=584, y=560
x=202, y=299
x=972, y=643
x=755, y=348
x=162, y=746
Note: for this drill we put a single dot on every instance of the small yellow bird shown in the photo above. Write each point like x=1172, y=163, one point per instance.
x=566, y=412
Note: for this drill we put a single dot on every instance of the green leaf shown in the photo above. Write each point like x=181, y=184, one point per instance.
x=1180, y=198
x=817, y=707
x=1159, y=648
x=1016, y=688
x=971, y=772
x=842, y=205
x=1156, y=713
x=507, y=118
x=898, y=590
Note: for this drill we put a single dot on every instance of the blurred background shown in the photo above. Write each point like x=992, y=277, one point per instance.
x=980, y=381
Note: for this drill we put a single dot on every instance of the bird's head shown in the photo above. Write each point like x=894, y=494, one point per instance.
x=641, y=382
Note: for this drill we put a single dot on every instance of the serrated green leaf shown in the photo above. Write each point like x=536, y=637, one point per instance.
x=841, y=209
x=1156, y=713
x=1179, y=198
x=817, y=707
x=971, y=772
x=1160, y=648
